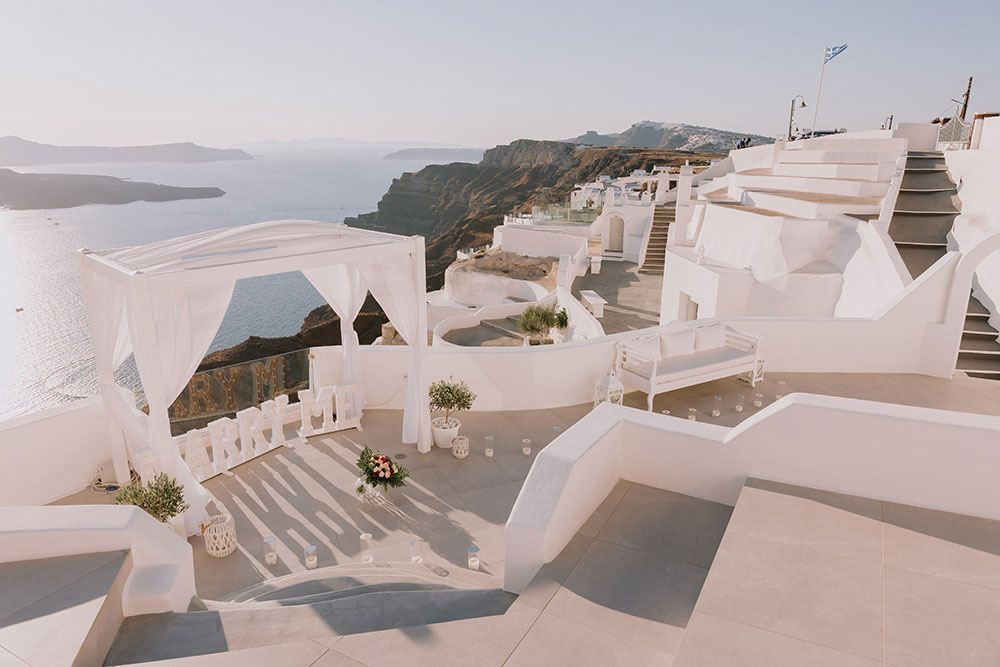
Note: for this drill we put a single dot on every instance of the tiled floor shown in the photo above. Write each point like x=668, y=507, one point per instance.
x=629, y=295
x=812, y=577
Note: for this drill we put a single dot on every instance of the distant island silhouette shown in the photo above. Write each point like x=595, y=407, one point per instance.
x=17, y=152
x=38, y=191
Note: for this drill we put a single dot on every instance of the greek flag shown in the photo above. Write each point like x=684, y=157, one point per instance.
x=832, y=52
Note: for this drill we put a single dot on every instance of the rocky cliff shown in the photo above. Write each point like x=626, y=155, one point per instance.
x=681, y=136
x=456, y=206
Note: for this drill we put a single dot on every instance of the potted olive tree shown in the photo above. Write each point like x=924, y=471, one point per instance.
x=162, y=498
x=536, y=321
x=558, y=331
x=451, y=397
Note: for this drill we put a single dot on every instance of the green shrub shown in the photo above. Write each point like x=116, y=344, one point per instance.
x=537, y=319
x=562, y=320
x=162, y=498
x=451, y=397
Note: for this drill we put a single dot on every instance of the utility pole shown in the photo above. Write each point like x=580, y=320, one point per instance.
x=965, y=100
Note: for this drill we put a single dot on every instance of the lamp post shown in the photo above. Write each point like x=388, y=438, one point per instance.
x=791, y=113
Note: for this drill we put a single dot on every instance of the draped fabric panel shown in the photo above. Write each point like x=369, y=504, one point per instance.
x=186, y=321
x=390, y=280
x=344, y=288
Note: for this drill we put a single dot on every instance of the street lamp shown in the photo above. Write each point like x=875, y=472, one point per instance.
x=791, y=113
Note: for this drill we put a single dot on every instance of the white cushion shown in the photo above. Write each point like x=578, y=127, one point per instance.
x=677, y=343
x=710, y=336
x=692, y=365
x=647, y=346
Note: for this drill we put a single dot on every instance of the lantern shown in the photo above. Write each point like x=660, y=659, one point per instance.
x=608, y=389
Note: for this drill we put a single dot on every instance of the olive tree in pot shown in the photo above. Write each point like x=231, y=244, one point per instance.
x=162, y=498
x=451, y=397
x=536, y=321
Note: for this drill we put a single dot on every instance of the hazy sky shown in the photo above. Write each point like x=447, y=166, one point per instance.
x=474, y=72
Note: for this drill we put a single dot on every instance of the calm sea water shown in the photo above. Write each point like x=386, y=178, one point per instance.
x=46, y=356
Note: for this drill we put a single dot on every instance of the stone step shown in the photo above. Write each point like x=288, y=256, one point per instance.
x=811, y=206
x=863, y=171
x=927, y=180
x=978, y=345
x=921, y=227
x=978, y=325
x=920, y=162
x=929, y=202
x=504, y=327
x=172, y=636
x=834, y=156
x=979, y=364
x=920, y=258
x=976, y=307
x=831, y=186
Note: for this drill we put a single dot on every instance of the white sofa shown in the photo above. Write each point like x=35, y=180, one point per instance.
x=681, y=355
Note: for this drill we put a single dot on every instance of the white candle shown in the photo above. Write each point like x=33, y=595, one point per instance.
x=473, y=562
x=526, y=451
x=270, y=558
x=489, y=452
x=310, y=562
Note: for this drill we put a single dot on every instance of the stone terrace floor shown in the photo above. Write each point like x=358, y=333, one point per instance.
x=622, y=591
x=628, y=293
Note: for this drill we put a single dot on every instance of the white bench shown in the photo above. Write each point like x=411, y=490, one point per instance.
x=637, y=367
x=593, y=301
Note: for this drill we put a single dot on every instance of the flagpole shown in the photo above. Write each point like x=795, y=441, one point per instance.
x=822, y=69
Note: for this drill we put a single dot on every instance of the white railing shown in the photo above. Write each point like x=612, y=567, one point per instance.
x=928, y=458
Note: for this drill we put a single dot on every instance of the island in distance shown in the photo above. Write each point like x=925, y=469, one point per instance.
x=34, y=191
x=443, y=155
x=15, y=151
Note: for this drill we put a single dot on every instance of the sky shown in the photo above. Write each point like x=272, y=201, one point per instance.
x=476, y=73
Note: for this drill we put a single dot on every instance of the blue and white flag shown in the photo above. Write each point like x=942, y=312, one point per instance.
x=832, y=52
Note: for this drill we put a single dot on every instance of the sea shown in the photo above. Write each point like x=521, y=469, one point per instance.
x=46, y=358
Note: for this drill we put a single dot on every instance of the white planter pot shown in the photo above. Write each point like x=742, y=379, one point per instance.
x=443, y=435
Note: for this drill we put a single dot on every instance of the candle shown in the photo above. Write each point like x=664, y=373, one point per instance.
x=270, y=558
x=526, y=451
x=473, y=562
x=310, y=557
x=489, y=452
x=270, y=555
x=311, y=562
x=366, y=548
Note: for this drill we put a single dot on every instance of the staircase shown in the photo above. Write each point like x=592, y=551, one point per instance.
x=319, y=605
x=925, y=211
x=979, y=351
x=656, y=247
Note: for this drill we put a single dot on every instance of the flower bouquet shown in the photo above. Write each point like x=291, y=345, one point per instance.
x=378, y=470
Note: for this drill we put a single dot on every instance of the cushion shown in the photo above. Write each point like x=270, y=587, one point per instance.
x=676, y=368
x=647, y=346
x=674, y=343
x=710, y=336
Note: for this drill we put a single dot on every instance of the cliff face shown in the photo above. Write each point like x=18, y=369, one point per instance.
x=456, y=206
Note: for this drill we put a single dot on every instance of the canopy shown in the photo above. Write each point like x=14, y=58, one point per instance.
x=165, y=301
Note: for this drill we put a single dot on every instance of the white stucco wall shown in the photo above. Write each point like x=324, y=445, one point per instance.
x=928, y=458
x=52, y=453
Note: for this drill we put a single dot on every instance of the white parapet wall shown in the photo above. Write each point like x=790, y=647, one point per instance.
x=162, y=575
x=52, y=453
x=916, y=456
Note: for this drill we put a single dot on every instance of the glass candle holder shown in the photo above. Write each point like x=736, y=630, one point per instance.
x=489, y=446
x=309, y=557
x=489, y=452
x=739, y=403
x=717, y=406
x=526, y=449
x=270, y=554
x=366, y=548
x=781, y=390
x=473, y=558
x=416, y=551
x=693, y=414
x=758, y=400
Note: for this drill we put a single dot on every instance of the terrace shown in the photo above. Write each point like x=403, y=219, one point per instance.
x=624, y=590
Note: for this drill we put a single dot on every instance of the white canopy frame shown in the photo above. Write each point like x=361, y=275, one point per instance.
x=165, y=301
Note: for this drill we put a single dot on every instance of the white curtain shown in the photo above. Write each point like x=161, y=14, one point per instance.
x=186, y=321
x=390, y=280
x=344, y=288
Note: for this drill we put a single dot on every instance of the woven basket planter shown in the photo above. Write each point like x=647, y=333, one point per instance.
x=220, y=536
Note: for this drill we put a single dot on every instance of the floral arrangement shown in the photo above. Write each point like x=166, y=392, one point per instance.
x=379, y=470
